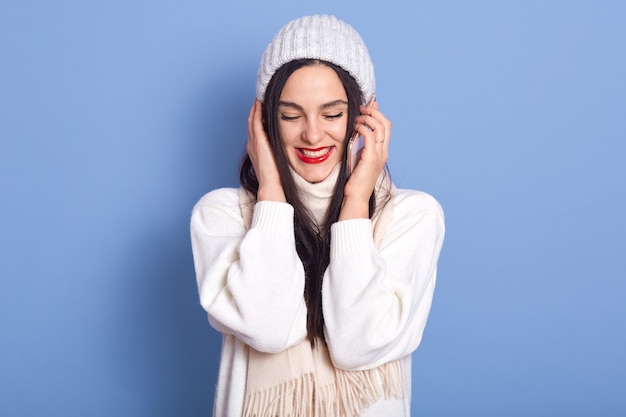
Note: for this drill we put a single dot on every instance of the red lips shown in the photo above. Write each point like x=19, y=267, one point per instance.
x=315, y=156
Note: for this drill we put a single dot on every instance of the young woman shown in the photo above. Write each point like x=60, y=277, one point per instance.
x=319, y=279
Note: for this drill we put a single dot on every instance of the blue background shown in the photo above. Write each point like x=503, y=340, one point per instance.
x=115, y=117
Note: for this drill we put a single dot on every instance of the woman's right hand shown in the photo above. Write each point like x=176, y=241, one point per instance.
x=262, y=157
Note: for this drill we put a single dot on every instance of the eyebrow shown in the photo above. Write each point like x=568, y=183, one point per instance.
x=323, y=106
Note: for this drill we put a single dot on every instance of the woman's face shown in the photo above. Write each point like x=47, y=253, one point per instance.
x=312, y=121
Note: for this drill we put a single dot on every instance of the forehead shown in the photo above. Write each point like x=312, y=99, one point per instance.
x=313, y=83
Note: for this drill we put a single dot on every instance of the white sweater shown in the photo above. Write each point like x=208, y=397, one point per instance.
x=376, y=300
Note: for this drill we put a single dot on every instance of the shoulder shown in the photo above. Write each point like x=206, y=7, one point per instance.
x=225, y=197
x=414, y=218
x=218, y=204
x=415, y=203
x=410, y=216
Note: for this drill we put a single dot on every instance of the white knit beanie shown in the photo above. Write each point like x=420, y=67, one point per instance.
x=318, y=37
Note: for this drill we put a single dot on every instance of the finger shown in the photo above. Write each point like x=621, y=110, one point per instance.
x=379, y=124
x=373, y=112
x=251, y=117
x=255, y=122
x=257, y=113
x=377, y=129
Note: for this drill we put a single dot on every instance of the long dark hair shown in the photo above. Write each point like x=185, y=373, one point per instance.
x=312, y=240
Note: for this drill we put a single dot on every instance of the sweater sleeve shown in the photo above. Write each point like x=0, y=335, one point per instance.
x=376, y=300
x=251, y=282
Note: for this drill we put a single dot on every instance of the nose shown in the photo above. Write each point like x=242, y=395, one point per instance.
x=313, y=132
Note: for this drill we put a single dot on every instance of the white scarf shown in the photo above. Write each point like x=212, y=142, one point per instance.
x=302, y=381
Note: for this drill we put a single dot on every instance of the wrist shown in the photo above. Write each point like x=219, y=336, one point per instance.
x=271, y=193
x=354, y=208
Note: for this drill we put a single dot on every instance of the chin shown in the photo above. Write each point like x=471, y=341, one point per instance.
x=317, y=176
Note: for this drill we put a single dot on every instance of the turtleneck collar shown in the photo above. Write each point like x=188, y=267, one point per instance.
x=316, y=196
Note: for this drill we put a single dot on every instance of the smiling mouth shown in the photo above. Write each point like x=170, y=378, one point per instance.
x=314, y=156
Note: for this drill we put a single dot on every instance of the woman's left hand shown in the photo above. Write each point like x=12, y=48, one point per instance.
x=376, y=130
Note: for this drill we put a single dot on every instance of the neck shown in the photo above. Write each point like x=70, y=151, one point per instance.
x=316, y=197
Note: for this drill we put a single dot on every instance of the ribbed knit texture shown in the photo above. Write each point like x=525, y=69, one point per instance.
x=318, y=37
x=272, y=221
x=356, y=236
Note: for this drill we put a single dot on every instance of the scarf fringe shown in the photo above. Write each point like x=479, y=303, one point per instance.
x=350, y=394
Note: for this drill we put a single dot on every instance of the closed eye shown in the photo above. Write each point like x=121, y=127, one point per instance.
x=288, y=118
x=333, y=116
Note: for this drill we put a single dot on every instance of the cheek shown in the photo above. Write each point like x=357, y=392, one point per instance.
x=288, y=132
x=339, y=133
x=341, y=145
